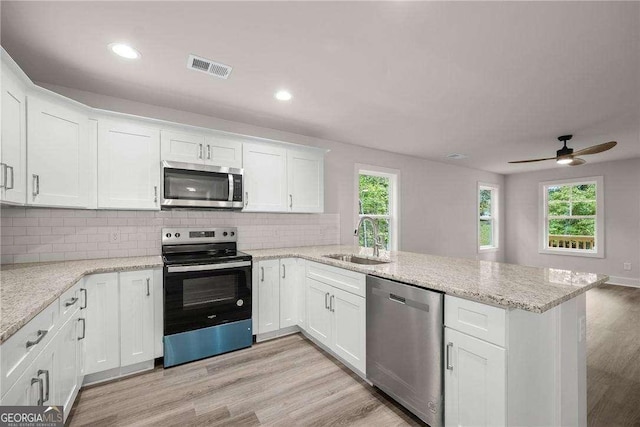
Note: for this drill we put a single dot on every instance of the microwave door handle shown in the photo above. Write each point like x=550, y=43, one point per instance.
x=230, y=176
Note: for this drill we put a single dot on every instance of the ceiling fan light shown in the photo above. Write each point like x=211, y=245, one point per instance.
x=564, y=161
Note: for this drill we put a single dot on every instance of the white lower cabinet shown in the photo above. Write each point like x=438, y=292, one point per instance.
x=136, y=317
x=102, y=316
x=37, y=386
x=337, y=319
x=268, y=296
x=67, y=369
x=348, y=330
x=474, y=380
x=318, y=311
x=291, y=276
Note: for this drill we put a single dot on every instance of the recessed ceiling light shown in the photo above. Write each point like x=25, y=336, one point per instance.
x=124, y=50
x=456, y=156
x=283, y=95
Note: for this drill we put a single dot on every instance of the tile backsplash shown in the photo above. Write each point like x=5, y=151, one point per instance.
x=39, y=234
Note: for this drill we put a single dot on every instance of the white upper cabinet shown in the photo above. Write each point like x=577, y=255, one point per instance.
x=183, y=147
x=223, y=150
x=128, y=166
x=215, y=149
x=13, y=153
x=265, y=178
x=57, y=153
x=305, y=169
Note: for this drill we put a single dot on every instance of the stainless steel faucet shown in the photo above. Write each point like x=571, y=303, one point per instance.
x=377, y=244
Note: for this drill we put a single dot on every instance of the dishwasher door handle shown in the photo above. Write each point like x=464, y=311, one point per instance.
x=449, y=365
x=398, y=299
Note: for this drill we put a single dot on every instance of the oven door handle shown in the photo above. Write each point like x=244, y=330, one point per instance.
x=223, y=266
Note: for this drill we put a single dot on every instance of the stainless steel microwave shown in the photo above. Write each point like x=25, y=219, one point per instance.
x=190, y=185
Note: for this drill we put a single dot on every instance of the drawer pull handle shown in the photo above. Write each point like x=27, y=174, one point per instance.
x=71, y=302
x=41, y=335
x=40, y=390
x=46, y=375
x=84, y=291
x=449, y=365
x=84, y=328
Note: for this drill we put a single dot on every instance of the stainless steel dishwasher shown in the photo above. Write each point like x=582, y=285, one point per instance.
x=404, y=346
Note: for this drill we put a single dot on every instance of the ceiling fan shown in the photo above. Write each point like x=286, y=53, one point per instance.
x=566, y=156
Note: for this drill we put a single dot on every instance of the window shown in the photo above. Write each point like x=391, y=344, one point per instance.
x=377, y=198
x=572, y=217
x=488, y=217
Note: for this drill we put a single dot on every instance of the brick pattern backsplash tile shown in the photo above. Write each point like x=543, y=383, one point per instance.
x=39, y=234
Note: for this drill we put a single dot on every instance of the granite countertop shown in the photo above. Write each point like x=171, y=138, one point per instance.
x=507, y=285
x=27, y=289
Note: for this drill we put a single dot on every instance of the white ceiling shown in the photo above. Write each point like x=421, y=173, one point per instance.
x=496, y=81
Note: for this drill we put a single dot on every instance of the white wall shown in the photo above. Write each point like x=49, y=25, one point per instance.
x=438, y=201
x=622, y=219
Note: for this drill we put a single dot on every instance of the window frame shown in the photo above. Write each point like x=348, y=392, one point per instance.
x=543, y=218
x=495, y=217
x=394, y=200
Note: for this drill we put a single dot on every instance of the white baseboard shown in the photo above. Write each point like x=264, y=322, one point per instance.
x=624, y=281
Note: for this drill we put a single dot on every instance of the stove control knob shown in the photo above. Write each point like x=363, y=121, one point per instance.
x=177, y=234
x=225, y=233
x=168, y=235
x=233, y=233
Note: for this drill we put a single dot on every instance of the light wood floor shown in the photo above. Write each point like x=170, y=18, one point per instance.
x=613, y=356
x=289, y=381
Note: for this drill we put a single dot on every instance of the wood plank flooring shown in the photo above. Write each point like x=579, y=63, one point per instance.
x=613, y=356
x=287, y=381
x=290, y=381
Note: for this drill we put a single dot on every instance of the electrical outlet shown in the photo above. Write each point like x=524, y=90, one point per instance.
x=626, y=266
x=582, y=329
x=115, y=237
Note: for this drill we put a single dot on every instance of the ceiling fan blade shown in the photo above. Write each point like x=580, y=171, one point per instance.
x=577, y=162
x=596, y=148
x=533, y=160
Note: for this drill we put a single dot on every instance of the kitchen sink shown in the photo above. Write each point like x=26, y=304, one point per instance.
x=357, y=259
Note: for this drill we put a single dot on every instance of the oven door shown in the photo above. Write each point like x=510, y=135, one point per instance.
x=190, y=185
x=199, y=296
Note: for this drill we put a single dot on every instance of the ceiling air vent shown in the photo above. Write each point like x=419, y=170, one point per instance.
x=208, y=66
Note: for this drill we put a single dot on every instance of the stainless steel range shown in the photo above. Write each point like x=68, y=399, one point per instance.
x=207, y=294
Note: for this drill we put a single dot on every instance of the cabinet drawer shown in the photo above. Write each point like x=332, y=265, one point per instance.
x=69, y=302
x=340, y=278
x=478, y=320
x=15, y=354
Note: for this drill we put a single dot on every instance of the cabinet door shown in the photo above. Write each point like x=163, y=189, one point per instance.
x=128, y=166
x=14, y=141
x=318, y=312
x=348, y=329
x=305, y=170
x=474, y=381
x=268, y=296
x=301, y=290
x=37, y=386
x=136, y=317
x=265, y=178
x=183, y=147
x=102, y=316
x=223, y=150
x=289, y=282
x=57, y=153
x=67, y=379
